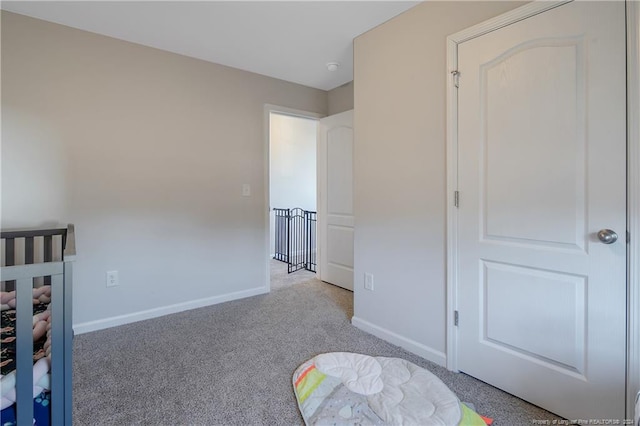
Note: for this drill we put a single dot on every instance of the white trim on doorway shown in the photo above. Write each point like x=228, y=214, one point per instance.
x=268, y=109
x=633, y=177
x=633, y=191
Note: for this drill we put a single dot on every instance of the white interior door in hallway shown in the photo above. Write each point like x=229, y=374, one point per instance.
x=541, y=295
x=335, y=199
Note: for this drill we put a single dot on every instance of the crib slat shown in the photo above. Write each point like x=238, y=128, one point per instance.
x=24, y=351
x=48, y=255
x=28, y=250
x=64, y=244
x=48, y=248
x=57, y=349
x=10, y=252
x=10, y=259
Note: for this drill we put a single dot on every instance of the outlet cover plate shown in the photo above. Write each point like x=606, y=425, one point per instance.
x=112, y=279
x=368, y=281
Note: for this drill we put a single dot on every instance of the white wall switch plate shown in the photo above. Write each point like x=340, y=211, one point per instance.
x=246, y=190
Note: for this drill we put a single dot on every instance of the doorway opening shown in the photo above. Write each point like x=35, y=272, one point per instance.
x=292, y=197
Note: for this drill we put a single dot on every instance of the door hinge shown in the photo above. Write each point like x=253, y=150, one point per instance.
x=455, y=318
x=628, y=237
x=456, y=198
x=456, y=78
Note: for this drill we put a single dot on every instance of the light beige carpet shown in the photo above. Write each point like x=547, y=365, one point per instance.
x=280, y=278
x=232, y=363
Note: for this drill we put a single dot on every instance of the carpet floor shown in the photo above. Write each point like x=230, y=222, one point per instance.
x=232, y=363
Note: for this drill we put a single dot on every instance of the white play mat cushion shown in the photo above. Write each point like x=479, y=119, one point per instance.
x=342, y=388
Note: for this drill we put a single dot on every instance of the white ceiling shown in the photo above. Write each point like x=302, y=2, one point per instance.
x=289, y=40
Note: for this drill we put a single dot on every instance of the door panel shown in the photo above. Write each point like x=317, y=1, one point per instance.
x=340, y=171
x=542, y=154
x=335, y=200
x=340, y=250
x=512, y=294
x=546, y=184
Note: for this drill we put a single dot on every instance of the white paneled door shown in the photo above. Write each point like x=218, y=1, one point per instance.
x=541, y=178
x=335, y=199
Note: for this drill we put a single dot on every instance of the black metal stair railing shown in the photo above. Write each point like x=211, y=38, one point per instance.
x=311, y=243
x=295, y=238
x=281, y=232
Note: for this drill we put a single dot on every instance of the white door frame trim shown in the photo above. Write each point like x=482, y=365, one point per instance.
x=267, y=110
x=633, y=203
x=633, y=178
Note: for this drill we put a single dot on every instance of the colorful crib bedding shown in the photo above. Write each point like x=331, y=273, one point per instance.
x=342, y=388
x=41, y=355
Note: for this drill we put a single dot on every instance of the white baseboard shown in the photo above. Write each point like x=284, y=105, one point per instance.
x=411, y=345
x=101, y=324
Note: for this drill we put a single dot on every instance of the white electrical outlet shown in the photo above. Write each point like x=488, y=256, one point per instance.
x=112, y=278
x=246, y=190
x=368, y=281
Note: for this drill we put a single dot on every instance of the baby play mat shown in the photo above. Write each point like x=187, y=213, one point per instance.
x=341, y=388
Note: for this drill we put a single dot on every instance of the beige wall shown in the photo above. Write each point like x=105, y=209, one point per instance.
x=399, y=172
x=146, y=152
x=340, y=99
